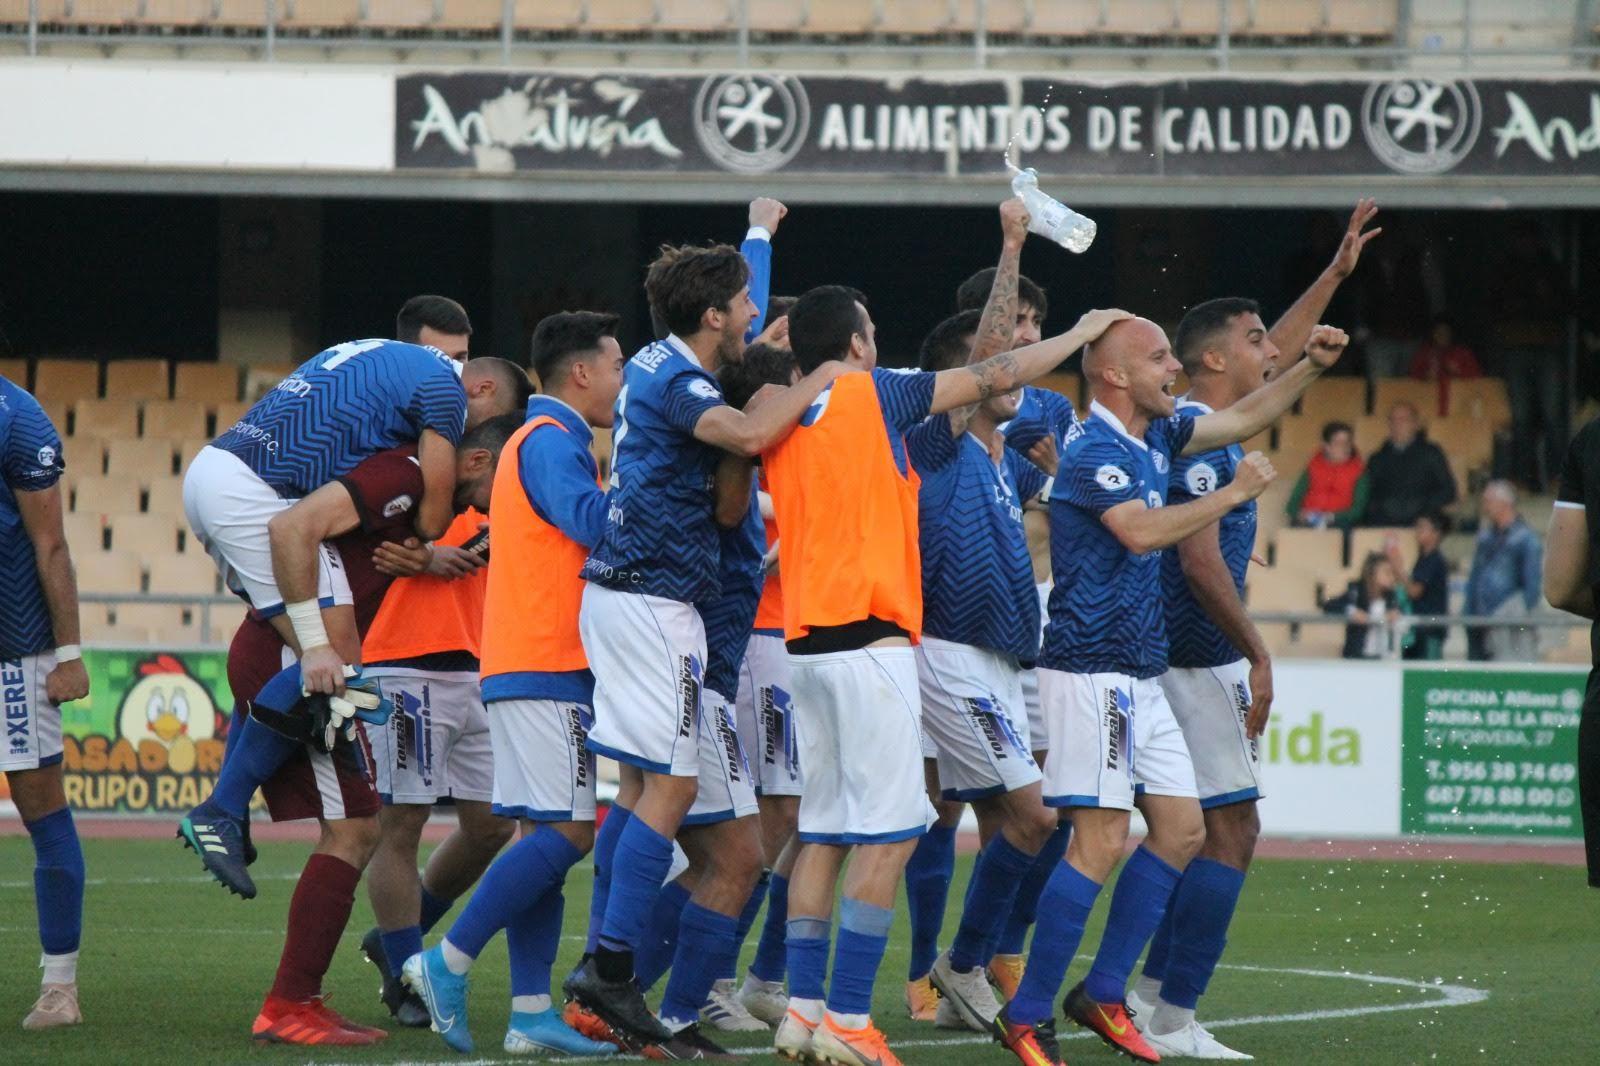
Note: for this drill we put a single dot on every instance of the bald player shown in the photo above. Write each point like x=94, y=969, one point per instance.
x=1104, y=649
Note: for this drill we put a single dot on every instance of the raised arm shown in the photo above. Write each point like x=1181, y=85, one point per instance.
x=751, y=434
x=437, y=458
x=1143, y=529
x=1261, y=408
x=1566, y=561
x=1291, y=332
x=998, y=323
x=41, y=517
x=765, y=214
x=1207, y=574
x=960, y=386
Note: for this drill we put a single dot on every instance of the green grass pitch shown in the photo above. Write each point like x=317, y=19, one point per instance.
x=1329, y=962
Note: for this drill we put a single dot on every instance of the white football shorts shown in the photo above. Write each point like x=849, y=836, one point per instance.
x=1210, y=706
x=1111, y=737
x=765, y=713
x=32, y=720
x=727, y=789
x=543, y=771
x=972, y=709
x=436, y=744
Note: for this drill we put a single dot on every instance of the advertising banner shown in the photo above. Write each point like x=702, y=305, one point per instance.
x=759, y=122
x=1491, y=752
x=149, y=738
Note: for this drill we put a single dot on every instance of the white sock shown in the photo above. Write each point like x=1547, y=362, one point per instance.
x=1148, y=988
x=849, y=1021
x=456, y=961
x=530, y=1004
x=60, y=969
x=1169, y=1019
x=677, y=1025
x=811, y=1010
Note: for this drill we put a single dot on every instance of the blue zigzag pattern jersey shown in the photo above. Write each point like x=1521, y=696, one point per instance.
x=1106, y=614
x=730, y=615
x=661, y=536
x=30, y=458
x=977, y=578
x=1195, y=639
x=354, y=400
x=1041, y=411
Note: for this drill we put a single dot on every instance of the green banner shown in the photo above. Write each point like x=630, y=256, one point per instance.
x=148, y=739
x=1490, y=752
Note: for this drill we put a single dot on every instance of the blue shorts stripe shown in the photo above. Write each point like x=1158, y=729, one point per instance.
x=1072, y=801
x=1243, y=795
x=631, y=759
x=711, y=818
x=967, y=795
x=862, y=838
x=535, y=816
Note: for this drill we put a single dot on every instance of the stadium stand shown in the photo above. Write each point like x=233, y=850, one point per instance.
x=139, y=379
x=226, y=414
x=148, y=535
x=174, y=419
x=106, y=418
x=208, y=383
x=1423, y=395
x=164, y=496
x=140, y=458
x=109, y=571
x=66, y=379
x=15, y=371
x=98, y=494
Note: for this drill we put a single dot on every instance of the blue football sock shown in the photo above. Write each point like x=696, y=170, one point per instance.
x=1064, y=908
x=1025, y=907
x=995, y=878
x=58, y=877
x=771, y=957
x=641, y=862
x=863, y=938
x=1201, y=909
x=433, y=909
x=1143, y=889
x=532, y=938
x=927, y=891
x=399, y=945
x=653, y=957
x=747, y=919
x=605, y=847
x=526, y=871
x=256, y=756
x=705, y=943
x=241, y=715
x=1155, y=962
x=807, y=950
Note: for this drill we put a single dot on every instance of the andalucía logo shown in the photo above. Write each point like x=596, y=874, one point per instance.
x=1421, y=125
x=752, y=123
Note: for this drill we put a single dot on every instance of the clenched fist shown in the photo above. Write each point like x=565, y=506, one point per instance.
x=767, y=213
x=1014, y=220
x=1326, y=345
x=1254, y=475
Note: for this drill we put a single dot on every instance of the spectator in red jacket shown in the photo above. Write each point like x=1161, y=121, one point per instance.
x=1441, y=359
x=1332, y=491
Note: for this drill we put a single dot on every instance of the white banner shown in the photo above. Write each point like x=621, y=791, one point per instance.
x=1331, y=755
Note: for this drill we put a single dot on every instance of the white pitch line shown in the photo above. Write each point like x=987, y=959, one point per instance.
x=1450, y=996
x=199, y=879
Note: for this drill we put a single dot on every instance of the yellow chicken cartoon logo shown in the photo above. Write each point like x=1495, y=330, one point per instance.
x=169, y=707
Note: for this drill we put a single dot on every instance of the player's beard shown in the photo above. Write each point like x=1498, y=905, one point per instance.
x=730, y=349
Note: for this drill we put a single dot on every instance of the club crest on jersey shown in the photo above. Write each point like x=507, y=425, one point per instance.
x=704, y=389
x=1153, y=499
x=1111, y=478
x=1160, y=461
x=399, y=505
x=47, y=456
x=1200, y=479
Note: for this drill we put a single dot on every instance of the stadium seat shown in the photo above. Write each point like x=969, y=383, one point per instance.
x=398, y=14
x=188, y=449
x=1068, y=385
x=153, y=623
x=175, y=419
x=1341, y=398
x=1066, y=18
x=1140, y=18
x=1376, y=539
x=15, y=370
x=1283, y=18
x=106, y=418
x=1482, y=399
x=470, y=15
x=85, y=454
x=1300, y=435
x=98, y=494
x=620, y=16
x=322, y=14
x=776, y=16
x=1271, y=515
x=1319, y=640
x=840, y=18
x=66, y=379
x=16, y=13
x=1463, y=438
x=86, y=533
x=1277, y=589
x=915, y=17
x=1002, y=17
x=100, y=12
x=183, y=575
x=1371, y=432
x=165, y=496
x=226, y=414
x=1423, y=395
x=242, y=14
x=259, y=378
x=150, y=535
x=138, y=379
x=551, y=15
x=56, y=412
x=1200, y=18
x=207, y=383
x=696, y=16
x=94, y=624
x=141, y=460
x=1363, y=18
x=1317, y=553
x=108, y=571
x=175, y=12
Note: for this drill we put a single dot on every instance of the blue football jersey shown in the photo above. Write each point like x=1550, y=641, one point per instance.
x=730, y=615
x=30, y=458
x=340, y=406
x=1041, y=411
x=1195, y=639
x=977, y=577
x=661, y=535
x=1106, y=614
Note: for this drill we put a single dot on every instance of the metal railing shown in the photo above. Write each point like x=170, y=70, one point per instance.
x=953, y=45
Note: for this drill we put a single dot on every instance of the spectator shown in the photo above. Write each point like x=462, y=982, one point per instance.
x=1375, y=607
x=1398, y=296
x=1409, y=475
x=1429, y=586
x=1332, y=490
x=1506, y=578
x=1530, y=304
x=1441, y=359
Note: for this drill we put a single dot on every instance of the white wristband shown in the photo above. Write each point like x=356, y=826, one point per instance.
x=67, y=653
x=306, y=618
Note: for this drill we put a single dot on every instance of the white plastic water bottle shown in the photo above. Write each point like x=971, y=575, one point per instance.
x=1052, y=219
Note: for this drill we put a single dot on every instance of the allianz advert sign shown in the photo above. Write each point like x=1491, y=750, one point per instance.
x=757, y=123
